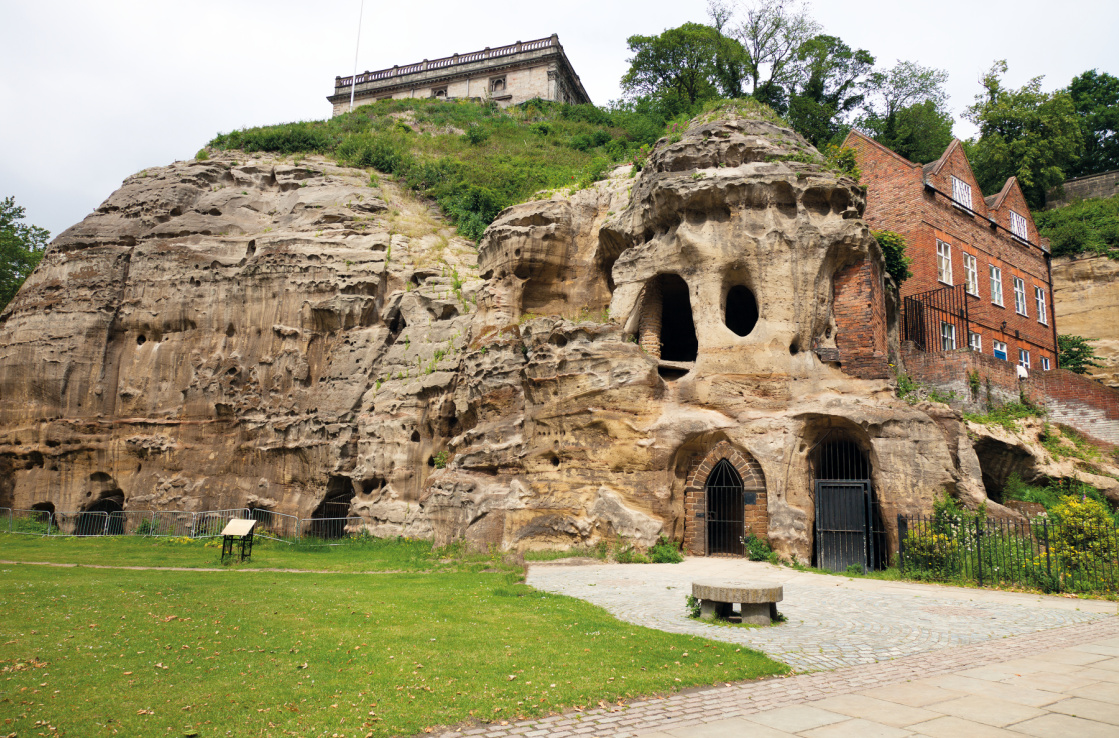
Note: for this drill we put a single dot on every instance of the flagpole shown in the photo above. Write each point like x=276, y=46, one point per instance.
x=353, y=83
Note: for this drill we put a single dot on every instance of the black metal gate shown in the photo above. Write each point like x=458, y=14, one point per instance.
x=725, y=510
x=843, y=518
x=849, y=528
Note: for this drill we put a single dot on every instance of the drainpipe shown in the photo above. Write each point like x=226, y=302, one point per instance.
x=1053, y=311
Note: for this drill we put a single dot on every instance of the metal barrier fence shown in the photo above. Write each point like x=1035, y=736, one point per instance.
x=165, y=523
x=26, y=522
x=1040, y=554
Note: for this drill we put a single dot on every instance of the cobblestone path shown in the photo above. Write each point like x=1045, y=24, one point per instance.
x=832, y=621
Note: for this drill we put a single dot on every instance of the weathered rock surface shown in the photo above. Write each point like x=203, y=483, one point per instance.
x=1086, y=300
x=252, y=332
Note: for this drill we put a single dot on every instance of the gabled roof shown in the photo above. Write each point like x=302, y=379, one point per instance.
x=994, y=202
x=934, y=167
x=874, y=143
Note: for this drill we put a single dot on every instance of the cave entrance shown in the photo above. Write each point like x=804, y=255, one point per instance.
x=678, y=339
x=666, y=329
x=91, y=521
x=725, y=511
x=331, y=516
x=848, y=530
x=740, y=313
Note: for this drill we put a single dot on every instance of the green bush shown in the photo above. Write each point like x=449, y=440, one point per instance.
x=1086, y=226
x=501, y=158
x=758, y=550
x=665, y=552
x=893, y=251
x=1084, y=535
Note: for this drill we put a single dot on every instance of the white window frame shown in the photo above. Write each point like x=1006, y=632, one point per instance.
x=1024, y=358
x=1042, y=308
x=1020, y=297
x=975, y=341
x=971, y=274
x=996, y=285
x=947, y=336
x=943, y=262
x=1001, y=347
x=1045, y=363
x=1018, y=226
x=961, y=192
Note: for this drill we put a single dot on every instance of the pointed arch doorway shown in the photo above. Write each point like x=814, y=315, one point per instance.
x=726, y=506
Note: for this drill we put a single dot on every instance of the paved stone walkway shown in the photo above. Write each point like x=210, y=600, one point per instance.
x=832, y=621
x=962, y=691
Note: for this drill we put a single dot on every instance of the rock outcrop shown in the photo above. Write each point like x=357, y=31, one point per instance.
x=255, y=332
x=1086, y=301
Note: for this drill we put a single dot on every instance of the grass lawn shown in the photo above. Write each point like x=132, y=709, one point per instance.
x=367, y=554
x=142, y=653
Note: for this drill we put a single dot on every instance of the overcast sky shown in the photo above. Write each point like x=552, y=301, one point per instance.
x=93, y=92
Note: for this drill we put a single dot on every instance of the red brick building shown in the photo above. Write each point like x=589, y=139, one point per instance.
x=981, y=275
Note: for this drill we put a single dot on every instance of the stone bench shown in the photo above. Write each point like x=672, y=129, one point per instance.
x=757, y=600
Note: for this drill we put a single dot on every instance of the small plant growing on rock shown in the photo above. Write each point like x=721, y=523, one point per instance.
x=440, y=459
x=692, y=604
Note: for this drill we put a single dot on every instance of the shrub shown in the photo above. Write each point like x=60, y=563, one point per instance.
x=692, y=605
x=665, y=552
x=1085, y=226
x=843, y=160
x=475, y=134
x=1076, y=354
x=1084, y=535
x=758, y=550
x=893, y=251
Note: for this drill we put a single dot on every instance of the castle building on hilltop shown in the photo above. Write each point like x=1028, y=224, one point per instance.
x=981, y=273
x=507, y=75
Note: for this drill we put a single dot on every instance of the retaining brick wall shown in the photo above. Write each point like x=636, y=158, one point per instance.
x=1072, y=399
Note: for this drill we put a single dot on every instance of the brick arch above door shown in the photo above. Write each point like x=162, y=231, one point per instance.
x=695, y=498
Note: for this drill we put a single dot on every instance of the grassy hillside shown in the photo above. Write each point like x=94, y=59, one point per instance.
x=1087, y=226
x=474, y=159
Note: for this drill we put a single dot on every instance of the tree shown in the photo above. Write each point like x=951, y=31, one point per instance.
x=1096, y=97
x=920, y=132
x=678, y=63
x=829, y=84
x=1075, y=354
x=903, y=85
x=770, y=33
x=1025, y=133
x=21, y=248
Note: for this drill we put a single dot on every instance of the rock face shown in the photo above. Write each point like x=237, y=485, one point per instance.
x=1086, y=300
x=228, y=332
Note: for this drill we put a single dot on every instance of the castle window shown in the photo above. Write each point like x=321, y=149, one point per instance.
x=497, y=85
x=439, y=93
x=1018, y=226
x=996, y=285
x=971, y=275
x=944, y=262
x=741, y=314
x=947, y=336
x=961, y=192
x=1020, y=296
x=1042, y=308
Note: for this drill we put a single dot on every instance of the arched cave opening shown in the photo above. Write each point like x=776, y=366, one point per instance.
x=849, y=530
x=998, y=461
x=331, y=516
x=110, y=524
x=740, y=313
x=678, y=340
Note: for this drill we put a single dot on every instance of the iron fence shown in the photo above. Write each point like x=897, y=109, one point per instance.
x=1038, y=554
x=330, y=528
x=81, y=523
x=209, y=524
x=937, y=320
x=274, y=525
x=25, y=522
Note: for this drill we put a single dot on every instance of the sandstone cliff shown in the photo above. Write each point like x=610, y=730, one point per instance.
x=1086, y=301
x=252, y=331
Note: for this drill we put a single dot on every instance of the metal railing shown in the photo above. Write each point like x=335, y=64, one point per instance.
x=446, y=61
x=177, y=524
x=1042, y=554
x=937, y=320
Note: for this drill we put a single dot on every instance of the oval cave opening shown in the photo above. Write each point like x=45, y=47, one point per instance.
x=677, y=331
x=740, y=313
x=331, y=517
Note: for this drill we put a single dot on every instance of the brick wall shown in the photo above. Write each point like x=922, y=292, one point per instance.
x=897, y=200
x=859, y=308
x=756, y=516
x=1069, y=398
